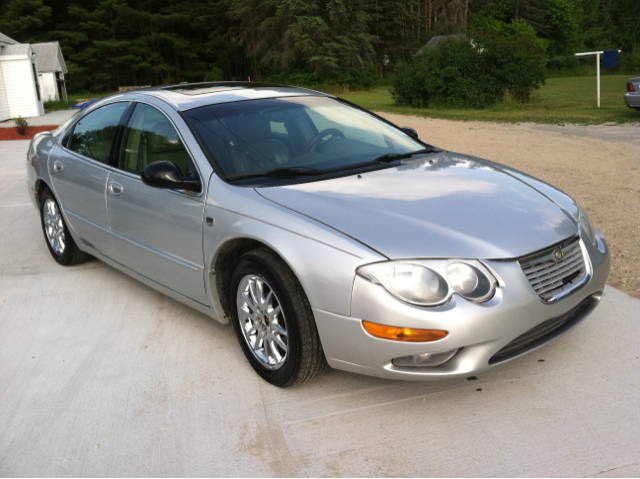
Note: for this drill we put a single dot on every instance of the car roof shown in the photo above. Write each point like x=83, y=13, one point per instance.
x=187, y=96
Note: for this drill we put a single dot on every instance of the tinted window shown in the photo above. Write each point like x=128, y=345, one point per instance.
x=94, y=135
x=302, y=132
x=150, y=137
x=64, y=126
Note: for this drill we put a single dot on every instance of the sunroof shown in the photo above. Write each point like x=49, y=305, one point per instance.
x=202, y=91
x=202, y=88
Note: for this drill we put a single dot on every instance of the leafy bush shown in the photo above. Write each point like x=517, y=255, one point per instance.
x=351, y=78
x=21, y=125
x=630, y=62
x=363, y=77
x=475, y=73
x=215, y=74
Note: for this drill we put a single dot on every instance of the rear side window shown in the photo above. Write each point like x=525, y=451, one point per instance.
x=93, y=136
x=150, y=137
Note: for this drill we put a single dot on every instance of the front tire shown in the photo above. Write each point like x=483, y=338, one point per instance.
x=56, y=233
x=273, y=321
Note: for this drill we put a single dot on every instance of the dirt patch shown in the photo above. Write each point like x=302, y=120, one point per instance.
x=10, y=134
x=603, y=176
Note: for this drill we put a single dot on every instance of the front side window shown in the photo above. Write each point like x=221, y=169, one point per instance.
x=150, y=137
x=94, y=135
x=62, y=128
x=251, y=138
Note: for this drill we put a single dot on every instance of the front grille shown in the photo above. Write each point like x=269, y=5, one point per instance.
x=544, y=332
x=551, y=277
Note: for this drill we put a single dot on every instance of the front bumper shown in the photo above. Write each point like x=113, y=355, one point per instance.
x=480, y=330
x=632, y=100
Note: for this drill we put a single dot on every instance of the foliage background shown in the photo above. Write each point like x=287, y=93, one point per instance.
x=498, y=58
x=112, y=43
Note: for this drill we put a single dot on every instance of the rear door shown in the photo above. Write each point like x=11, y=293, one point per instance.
x=155, y=232
x=79, y=172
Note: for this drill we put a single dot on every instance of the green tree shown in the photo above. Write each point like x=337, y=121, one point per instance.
x=111, y=43
x=563, y=30
x=24, y=20
x=321, y=35
x=397, y=28
x=557, y=21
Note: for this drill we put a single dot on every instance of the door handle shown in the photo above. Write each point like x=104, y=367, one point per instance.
x=57, y=166
x=115, y=188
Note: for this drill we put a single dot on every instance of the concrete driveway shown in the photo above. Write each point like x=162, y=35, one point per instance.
x=48, y=119
x=102, y=376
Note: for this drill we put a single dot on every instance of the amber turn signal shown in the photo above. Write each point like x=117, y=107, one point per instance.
x=403, y=334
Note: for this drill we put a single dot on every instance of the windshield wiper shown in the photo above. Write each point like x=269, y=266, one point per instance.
x=389, y=157
x=284, y=172
x=293, y=171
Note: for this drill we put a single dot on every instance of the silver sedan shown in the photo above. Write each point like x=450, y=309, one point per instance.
x=632, y=97
x=325, y=234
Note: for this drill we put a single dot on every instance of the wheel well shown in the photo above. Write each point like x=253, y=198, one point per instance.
x=40, y=187
x=225, y=262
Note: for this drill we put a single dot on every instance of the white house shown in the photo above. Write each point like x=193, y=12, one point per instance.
x=19, y=89
x=51, y=70
x=29, y=76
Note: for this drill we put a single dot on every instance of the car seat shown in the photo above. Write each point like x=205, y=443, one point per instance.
x=256, y=149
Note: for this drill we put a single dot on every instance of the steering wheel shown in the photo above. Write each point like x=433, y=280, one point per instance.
x=334, y=132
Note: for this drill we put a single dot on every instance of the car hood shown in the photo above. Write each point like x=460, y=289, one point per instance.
x=442, y=205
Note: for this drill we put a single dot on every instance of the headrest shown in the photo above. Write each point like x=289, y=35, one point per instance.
x=253, y=127
x=164, y=138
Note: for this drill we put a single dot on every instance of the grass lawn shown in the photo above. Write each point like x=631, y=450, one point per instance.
x=561, y=100
x=71, y=100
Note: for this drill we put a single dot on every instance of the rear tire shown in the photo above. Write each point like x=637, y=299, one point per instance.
x=273, y=320
x=56, y=233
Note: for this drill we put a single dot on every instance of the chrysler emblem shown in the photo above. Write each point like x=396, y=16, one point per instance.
x=557, y=255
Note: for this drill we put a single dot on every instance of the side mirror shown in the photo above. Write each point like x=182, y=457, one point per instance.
x=410, y=131
x=164, y=174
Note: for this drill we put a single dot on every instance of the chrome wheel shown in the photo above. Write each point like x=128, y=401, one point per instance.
x=54, y=226
x=262, y=321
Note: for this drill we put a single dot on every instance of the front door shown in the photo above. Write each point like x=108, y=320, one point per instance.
x=155, y=232
x=79, y=173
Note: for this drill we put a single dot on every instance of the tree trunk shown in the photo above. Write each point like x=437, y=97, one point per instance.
x=413, y=31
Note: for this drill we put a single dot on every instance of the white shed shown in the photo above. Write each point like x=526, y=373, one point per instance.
x=19, y=89
x=51, y=70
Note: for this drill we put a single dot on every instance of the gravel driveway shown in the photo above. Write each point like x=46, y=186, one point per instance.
x=598, y=165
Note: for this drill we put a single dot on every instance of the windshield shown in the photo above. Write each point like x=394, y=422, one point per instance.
x=319, y=134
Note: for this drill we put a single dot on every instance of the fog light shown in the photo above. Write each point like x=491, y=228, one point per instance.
x=403, y=334
x=425, y=359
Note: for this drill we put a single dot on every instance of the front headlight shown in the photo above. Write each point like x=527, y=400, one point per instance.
x=586, y=226
x=432, y=282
